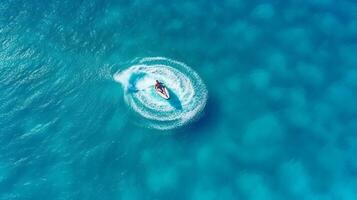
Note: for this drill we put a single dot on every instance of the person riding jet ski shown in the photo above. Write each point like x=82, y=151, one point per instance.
x=161, y=90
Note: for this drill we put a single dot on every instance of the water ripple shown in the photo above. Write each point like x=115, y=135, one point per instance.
x=188, y=94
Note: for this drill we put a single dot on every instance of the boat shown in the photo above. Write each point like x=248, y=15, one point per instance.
x=161, y=90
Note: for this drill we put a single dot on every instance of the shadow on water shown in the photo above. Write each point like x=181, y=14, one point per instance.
x=206, y=121
x=174, y=101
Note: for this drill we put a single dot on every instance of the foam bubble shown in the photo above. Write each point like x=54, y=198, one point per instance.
x=188, y=94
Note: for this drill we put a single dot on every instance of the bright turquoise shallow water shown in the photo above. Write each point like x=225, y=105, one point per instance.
x=280, y=121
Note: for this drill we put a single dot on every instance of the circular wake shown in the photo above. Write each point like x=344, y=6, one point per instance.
x=188, y=94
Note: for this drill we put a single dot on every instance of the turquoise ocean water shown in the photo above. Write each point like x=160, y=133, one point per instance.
x=280, y=121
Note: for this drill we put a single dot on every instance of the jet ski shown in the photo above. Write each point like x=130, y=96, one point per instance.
x=161, y=90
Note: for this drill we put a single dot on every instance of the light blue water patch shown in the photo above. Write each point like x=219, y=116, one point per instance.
x=279, y=122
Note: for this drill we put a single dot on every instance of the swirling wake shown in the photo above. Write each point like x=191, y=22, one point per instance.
x=188, y=94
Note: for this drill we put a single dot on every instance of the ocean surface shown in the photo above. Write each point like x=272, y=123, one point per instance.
x=264, y=103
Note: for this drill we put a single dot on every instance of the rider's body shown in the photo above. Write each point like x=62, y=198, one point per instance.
x=162, y=90
x=159, y=86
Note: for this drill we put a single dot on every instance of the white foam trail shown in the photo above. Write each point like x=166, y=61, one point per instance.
x=187, y=90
